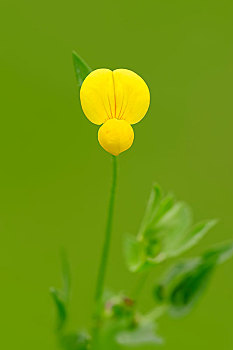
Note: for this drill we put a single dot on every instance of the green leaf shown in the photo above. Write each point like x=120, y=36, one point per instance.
x=59, y=302
x=61, y=296
x=172, y=278
x=188, y=291
x=220, y=253
x=75, y=341
x=166, y=231
x=151, y=208
x=183, y=285
x=192, y=237
x=144, y=334
x=81, y=68
x=186, y=281
x=134, y=253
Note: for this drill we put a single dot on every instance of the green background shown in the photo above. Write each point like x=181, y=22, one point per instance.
x=55, y=178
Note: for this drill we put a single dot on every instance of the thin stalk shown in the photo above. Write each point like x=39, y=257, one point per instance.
x=140, y=284
x=104, y=257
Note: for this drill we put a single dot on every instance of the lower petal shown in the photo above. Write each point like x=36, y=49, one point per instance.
x=116, y=136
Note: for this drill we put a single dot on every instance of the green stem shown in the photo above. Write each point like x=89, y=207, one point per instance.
x=140, y=285
x=104, y=257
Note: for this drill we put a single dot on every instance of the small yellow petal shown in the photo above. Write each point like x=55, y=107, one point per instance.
x=132, y=96
x=97, y=96
x=116, y=136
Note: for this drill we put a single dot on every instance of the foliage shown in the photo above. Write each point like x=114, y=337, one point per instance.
x=81, y=68
x=166, y=231
x=61, y=296
x=185, y=282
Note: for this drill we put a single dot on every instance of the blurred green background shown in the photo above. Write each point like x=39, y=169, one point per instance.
x=55, y=178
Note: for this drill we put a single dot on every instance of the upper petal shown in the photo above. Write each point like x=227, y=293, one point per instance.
x=97, y=96
x=132, y=95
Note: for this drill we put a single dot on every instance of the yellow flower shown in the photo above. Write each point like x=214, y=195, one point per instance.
x=115, y=99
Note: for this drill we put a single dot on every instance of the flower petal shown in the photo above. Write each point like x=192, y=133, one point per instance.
x=97, y=96
x=116, y=136
x=131, y=94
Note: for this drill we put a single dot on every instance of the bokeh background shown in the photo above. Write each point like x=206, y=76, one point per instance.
x=55, y=178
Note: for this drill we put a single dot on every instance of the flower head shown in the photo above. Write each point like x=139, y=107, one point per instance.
x=115, y=99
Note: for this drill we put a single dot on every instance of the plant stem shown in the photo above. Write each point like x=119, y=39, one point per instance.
x=140, y=285
x=104, y=257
